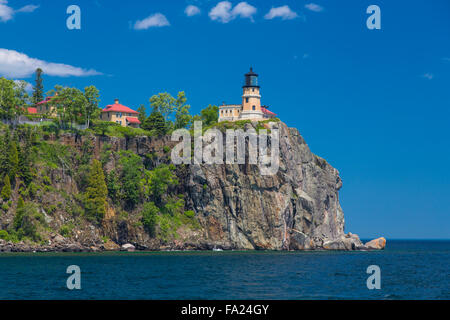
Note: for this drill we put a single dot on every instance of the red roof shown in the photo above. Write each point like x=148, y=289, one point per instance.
x=133, y=120
x=32, y=110
x=117, y=107
x=265, y=111
x=45, y=101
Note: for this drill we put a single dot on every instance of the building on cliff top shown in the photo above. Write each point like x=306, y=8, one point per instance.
x=120, y=114
x=251, y=108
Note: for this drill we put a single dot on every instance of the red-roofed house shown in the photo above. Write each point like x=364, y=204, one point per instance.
x=45, y=107
x=120, y=114
x=32, y=110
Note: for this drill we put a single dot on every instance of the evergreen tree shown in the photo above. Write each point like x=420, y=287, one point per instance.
x=142, y=113
x=132, y=166
x=38, y=90
x=25, y=164
x=96, y=192
x=13, y=160
x=155, y=122
x=6, y=190
x=20, y=203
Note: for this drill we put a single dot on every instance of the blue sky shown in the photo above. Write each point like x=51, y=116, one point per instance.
x=374, y=103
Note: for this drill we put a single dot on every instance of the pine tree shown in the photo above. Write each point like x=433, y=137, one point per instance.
x=38, y=90
x=20, y=203
x=13, y=160
x=96, y=192
x=6, y=191
x=142, y=114
x=155, y=122
x=24, y=166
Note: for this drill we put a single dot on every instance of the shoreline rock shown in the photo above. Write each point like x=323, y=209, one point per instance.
x=350, y=242
x=376, y=244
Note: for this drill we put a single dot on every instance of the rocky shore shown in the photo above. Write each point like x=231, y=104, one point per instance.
x=349, y=243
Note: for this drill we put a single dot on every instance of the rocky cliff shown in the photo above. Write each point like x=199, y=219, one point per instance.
x=235, y=206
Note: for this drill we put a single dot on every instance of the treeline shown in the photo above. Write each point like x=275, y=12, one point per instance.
x=69, y=106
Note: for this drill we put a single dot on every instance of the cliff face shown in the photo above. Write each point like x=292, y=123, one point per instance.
x=236, y=207
x=298, y=208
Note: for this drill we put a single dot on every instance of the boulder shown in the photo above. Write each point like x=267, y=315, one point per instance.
x=377, y=244
x=111, y=246
x=127, y=247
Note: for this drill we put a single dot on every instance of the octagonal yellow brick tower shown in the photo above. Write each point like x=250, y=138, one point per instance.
x=251, y=98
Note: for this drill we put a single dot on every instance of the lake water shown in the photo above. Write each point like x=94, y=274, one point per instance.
x=409, y=270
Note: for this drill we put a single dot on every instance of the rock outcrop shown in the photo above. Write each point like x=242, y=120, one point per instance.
x=376, y=244
x=295, y=209
x=236, y=207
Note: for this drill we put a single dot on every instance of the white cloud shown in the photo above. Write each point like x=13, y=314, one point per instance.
x=14, y=64
x=7, y=13
x=192, y=10
x=28, y=8
x=314, y=7
x=221, y=12
x=155, y=20
x=428, y=76
x=283, y=12
x=243, y=10
x=224, y=11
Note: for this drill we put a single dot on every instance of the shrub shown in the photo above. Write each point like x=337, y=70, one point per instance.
x=66, y=230
x=28, y=221
x=189, y=214
x=149, y=214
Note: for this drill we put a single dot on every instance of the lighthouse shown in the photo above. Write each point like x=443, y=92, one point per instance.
x=251, y=108
x=251, y=98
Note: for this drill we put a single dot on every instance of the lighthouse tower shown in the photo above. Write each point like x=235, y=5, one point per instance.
x=251, y=99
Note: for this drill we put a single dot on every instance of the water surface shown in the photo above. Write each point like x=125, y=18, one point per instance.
x=409, y=270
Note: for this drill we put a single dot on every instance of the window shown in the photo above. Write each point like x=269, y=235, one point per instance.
x=253, y=89
x=246, y=100
x=253, y=107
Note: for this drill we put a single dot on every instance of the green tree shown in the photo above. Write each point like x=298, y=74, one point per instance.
x=164, y=103
x=13, y=160
x=132, y=167
x=8, y=101
x=20, y=203
x=155, y=123
x=70, y=104
x=149, y=214
x=210, y=115
x=182, y=116
x=6, y=190
x=92, y=111
x=142, y=113
x=96, y=193
x=25, y=163
x=38, y=89
x=21, y=95
x=157, y=181
x=27, y=221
